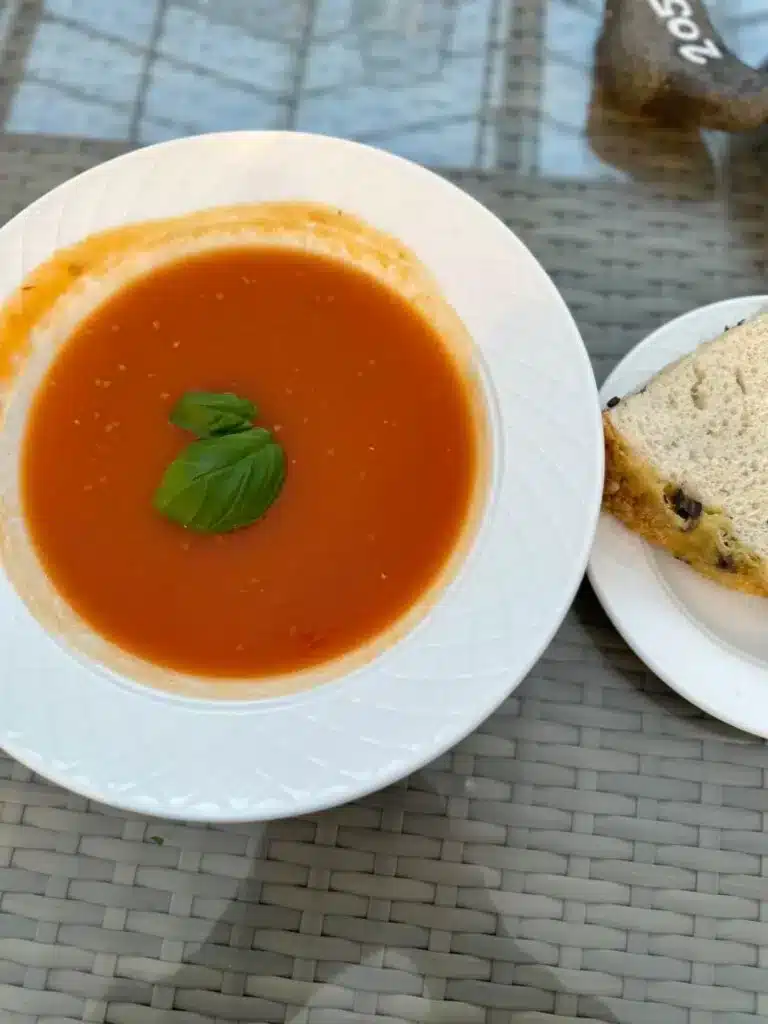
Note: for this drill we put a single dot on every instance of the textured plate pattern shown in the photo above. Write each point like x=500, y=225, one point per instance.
x=597, y=853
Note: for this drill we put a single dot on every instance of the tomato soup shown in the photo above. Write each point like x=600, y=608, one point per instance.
x=375, y=421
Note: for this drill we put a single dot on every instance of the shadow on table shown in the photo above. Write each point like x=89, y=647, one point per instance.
x=311, y=954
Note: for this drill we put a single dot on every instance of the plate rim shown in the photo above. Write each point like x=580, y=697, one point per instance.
x=649, y=645
x=570, y=580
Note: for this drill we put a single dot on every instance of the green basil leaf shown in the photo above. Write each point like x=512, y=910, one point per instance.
x=223, y=483
x=209, y=414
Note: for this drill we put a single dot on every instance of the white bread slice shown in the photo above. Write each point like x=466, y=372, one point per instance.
x=687, y=458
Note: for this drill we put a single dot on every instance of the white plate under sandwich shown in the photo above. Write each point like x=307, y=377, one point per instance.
x=708, y=643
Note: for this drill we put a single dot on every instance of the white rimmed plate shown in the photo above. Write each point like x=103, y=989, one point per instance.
x=152, y=752
x=706, y=642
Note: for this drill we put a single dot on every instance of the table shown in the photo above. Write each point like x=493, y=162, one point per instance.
x=598, y=850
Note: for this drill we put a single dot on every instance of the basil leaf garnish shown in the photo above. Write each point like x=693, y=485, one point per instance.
x=222, y=483
x=209, y=414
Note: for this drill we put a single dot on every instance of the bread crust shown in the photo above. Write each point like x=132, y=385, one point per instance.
x=636, y=494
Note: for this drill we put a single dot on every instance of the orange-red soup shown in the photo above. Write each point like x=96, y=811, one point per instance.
x=377, y=427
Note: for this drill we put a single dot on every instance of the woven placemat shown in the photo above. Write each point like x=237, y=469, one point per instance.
x=597, y=851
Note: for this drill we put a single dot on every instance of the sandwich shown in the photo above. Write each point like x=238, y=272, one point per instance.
x=687, y=458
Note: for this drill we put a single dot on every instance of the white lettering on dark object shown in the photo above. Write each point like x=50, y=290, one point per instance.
x=676, y=15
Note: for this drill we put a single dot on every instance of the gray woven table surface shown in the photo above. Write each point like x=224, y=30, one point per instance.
x=597, y=851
